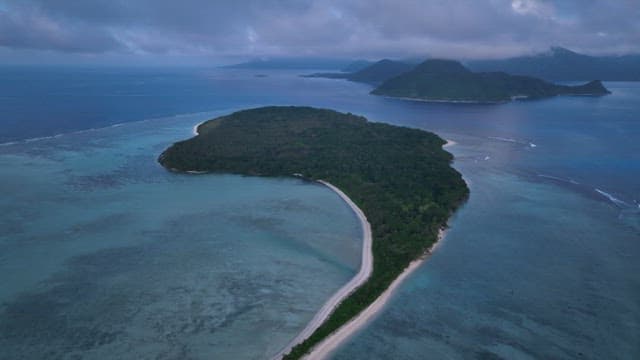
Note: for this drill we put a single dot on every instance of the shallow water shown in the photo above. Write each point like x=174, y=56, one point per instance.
x=541, y=263
x=528, y=270
x=104, y=254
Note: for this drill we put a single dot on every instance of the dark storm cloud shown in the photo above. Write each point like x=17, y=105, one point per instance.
x=369, y=28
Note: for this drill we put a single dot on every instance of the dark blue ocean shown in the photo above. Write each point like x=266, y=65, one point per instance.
x=103, y=254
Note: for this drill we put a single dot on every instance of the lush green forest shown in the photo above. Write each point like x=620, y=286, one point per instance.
x=401, y=178
x=448, y=80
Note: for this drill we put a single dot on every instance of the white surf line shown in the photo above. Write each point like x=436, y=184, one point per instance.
x=194, y=130
x=504, y=139
x=330, y=343
x=514, y=141
x=81, y=131
x=366, y=267
x=611, y=198
x=449, y=143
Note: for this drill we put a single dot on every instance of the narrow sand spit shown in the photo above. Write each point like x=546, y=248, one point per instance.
x=366, y=267
x=330, y=343
x=323, y=349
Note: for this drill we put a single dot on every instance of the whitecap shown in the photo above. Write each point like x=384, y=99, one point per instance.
x=504, y=139
x=611, y=198
x=551, y=177
x=559, y=179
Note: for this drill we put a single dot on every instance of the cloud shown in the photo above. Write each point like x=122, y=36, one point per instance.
x=533, y=7
x=354, y=28
x=34, y=30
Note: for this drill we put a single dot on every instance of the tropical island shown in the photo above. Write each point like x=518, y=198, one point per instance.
x=450, y=81
x=401, y=178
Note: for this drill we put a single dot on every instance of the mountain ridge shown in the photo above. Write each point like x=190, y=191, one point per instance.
x=449, y=80
x=562, y=64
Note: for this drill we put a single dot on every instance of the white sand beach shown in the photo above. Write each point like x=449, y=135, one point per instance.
x=323, y=349
x=366, y=267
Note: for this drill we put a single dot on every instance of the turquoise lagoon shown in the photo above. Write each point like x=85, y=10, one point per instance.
x=103, y=254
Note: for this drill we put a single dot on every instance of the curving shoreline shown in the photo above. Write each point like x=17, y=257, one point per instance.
x=347, y=150
x=194, y=130
x=366, y=267
x=330, y=343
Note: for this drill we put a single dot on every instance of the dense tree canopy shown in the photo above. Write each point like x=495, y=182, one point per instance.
x=448, y=80
x=401, y=178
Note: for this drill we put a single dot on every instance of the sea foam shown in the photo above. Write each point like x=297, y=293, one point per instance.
x=611, y=198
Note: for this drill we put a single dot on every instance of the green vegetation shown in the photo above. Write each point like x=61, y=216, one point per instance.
x=401, y=178
x=448, y=80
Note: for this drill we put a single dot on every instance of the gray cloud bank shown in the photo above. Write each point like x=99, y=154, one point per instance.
x=214, y=29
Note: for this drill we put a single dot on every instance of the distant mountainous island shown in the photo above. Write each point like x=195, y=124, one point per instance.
x=373, y=73
x=557, y=64
x=561, y=64
x=449, y=80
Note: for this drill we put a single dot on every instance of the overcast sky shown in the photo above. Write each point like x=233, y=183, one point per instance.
x=217, y=31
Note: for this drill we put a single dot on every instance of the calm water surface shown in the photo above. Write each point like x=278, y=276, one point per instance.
x=104, y=254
